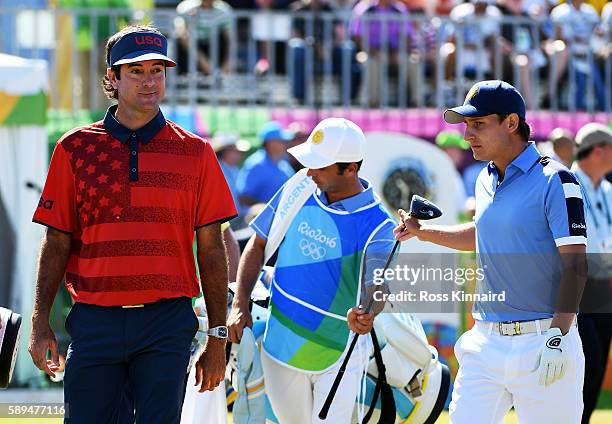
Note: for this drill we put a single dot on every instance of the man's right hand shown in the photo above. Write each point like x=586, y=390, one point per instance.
x=239, y=317
x=41, y=341
x=409, y=227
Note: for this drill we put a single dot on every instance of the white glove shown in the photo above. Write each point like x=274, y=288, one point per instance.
x=552, y=360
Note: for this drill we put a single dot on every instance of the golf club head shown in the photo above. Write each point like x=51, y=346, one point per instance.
x=422, y=208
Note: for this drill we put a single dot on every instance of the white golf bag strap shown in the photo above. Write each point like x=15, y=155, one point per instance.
x=295, y=193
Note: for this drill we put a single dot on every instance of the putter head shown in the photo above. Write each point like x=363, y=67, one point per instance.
x=422, y=208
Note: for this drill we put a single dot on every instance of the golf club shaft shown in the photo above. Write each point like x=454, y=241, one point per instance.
x=334, y=388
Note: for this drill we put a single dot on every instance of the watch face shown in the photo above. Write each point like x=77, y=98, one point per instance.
x=406, y=177
x=222, y=332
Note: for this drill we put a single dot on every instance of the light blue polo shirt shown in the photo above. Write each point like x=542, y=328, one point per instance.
x=260, y=176
x=520, y=223
x=380, y=245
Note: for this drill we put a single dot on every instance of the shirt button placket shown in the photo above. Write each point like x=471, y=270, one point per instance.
x=133, y=157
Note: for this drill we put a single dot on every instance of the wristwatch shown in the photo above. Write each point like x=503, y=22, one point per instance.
x=219, y=332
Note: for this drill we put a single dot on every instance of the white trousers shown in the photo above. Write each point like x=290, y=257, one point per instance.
x=497, y=372
x=297, y=397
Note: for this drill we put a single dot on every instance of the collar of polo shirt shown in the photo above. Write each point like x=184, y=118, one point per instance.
x=125, y=135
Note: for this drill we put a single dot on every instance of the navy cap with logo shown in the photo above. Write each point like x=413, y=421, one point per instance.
x=140, y=46
x=488, y=98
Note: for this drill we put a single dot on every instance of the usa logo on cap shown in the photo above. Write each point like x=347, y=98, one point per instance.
x=140, y=46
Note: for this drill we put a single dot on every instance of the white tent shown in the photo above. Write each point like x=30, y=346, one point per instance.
x=23, y=167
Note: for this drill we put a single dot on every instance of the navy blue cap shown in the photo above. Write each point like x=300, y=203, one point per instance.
x=274, y=131
x=140, y=46
x=488, y=98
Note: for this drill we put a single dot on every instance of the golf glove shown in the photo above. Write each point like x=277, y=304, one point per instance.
x=552, y=360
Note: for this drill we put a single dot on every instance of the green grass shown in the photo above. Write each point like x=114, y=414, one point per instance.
x=605, y=400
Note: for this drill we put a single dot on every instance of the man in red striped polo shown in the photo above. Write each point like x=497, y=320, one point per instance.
x=122, y=202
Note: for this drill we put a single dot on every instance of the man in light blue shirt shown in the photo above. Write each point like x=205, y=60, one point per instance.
x=266, y=170
x=594, y=161
x=529, y=234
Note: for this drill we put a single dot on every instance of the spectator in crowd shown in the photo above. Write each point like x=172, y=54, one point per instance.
x=594, y=161
x=454, y=145
x=319, y=43
x=440, y=7
x=603, y=43
x=520, y=51
x=606, y=18
x=382, y=40
x=575, y=22
x=475, y=26
x=563, y=146
x=415, y=6
x=300, y=134
x=424, y=52
x=266, y=170
x=229, y=149
x=212, y=20
x=271, y=31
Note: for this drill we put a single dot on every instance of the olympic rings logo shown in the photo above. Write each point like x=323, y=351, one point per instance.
x=310, y=249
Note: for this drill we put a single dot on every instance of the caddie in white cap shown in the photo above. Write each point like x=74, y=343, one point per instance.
x=324, y=223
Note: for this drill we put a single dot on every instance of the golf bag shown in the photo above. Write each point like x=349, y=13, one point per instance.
x=419, y=382
x=10, y=326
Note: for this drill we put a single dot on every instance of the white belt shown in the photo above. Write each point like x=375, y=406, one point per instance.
x=516, y=328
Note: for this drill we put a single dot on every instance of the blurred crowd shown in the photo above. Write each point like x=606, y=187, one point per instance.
x=405, y=53
x=372, y=40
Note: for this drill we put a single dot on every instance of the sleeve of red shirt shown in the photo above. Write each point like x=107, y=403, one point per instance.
x=57, y=205
x=215, y=202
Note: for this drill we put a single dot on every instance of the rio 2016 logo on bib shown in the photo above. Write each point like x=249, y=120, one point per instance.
x=316, y=234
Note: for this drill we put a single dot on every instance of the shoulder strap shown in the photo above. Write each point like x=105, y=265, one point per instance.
x=387, y=401
x=295, y=193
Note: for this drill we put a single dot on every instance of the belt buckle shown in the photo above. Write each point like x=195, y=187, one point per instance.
x=132, y=306
x=503, y=329
x=507, y=331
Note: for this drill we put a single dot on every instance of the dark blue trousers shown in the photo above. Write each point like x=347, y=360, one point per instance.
x=145, y=348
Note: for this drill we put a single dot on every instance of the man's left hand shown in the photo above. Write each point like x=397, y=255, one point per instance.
x=359, y=321
x=210, y=368
x=552, y=361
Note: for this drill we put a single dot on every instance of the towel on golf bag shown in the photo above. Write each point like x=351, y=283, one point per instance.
x=248, y=381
